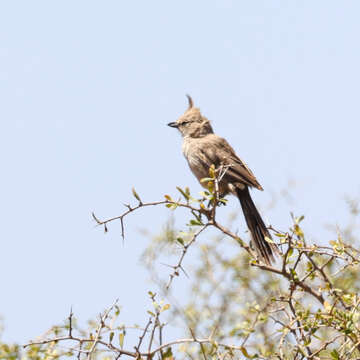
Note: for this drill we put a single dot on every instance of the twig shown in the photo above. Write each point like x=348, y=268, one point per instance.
x=70, y=322
x=156, y=323
x=185, y=249
x=139, y=206
x=99, y=329
x=141, y=337
x=324, y=346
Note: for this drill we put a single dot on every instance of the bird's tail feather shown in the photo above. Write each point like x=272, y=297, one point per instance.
x=257, y=228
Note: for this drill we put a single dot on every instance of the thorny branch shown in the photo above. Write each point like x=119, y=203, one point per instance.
x=185, y=249
x=336, y=308
x=214, y=223
x=102, y=324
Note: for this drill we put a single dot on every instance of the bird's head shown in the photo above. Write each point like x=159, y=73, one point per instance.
x=192, y=123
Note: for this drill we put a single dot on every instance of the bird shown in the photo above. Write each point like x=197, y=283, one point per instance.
x=202, y=149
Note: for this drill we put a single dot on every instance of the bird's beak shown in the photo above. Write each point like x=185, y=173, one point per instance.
x=173, y=124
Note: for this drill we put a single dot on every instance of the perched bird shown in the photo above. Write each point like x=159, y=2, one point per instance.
x=202, y=148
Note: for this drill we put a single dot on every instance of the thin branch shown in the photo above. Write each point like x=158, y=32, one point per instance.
x=141, y=337
x=186, y=246
x=139, y=206
x=324, y=346
x=103, y=318
x=70, y=322
x=156, y=323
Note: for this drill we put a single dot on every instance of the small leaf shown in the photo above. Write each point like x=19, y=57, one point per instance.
x=165, y=307
x=206, y=179
x=269, y=240
x=245, y=353
x=168, y=197
x=121, y=340
x=185, y=194
x=294, y=275
x=298, y=231
x=168, y=354
x=111, y=336
x=335, y=355
x=309, y=266
x=280, y=235
x=151, y=313
x=136, y=195
x=212, y=171
x=195, y=222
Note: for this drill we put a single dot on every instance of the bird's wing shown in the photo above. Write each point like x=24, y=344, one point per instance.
x=220, y=153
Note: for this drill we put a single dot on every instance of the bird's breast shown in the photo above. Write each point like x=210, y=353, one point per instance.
x=194, y=157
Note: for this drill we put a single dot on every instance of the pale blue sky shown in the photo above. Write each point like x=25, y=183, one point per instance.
x=86, y=89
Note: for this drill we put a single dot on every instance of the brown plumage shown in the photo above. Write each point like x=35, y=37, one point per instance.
x=202, y=148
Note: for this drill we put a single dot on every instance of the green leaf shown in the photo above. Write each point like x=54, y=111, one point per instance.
x=309, y=266
x=335, y=355
x=206, y=179
x=121, y=340
x=298, y=231
x=294, y=275
x=185, y=194
x=171, y=206
x=299, y=219
x=167, y=354
x=212, y=171
x=280, y=235
x=111, y=336
x=136, y=195
x=245, y=353
x=195, y=222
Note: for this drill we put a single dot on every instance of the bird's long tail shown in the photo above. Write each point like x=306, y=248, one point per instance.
x=257, y=228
